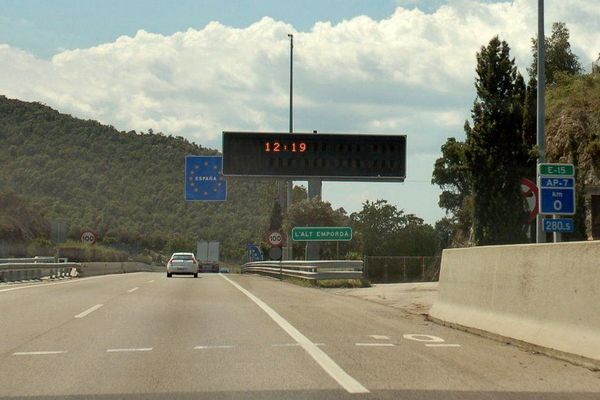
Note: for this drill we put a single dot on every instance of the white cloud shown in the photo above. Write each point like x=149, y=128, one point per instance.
x=410, y=73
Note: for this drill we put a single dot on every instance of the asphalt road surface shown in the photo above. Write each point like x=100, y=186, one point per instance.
x=142, y=336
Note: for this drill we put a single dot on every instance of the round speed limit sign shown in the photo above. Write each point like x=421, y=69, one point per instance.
x=88, y=237
x=275, y=238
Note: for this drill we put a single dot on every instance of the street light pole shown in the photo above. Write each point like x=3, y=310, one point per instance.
x=290, y=183
x=541, y=86
x=291, y=81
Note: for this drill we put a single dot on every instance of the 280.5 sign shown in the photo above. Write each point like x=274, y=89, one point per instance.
x=564, y=225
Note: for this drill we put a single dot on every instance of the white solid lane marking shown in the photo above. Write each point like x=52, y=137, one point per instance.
x=380, y=337
x=74, y=280
x=213, y=347
x=133, y=290
x=417, y=337
x=375, y=344
x=442, y=345
x=89, y=311
x=335, y=371
x=129, y=349
x=37, y=353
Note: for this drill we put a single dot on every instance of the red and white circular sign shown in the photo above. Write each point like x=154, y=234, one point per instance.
x=275, y=238
x=88, y=237
x=530, y=191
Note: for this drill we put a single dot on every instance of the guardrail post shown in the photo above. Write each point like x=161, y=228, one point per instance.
x=404, y=269
x=423, y=268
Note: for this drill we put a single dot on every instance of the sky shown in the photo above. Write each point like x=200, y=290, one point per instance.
x=197, y=68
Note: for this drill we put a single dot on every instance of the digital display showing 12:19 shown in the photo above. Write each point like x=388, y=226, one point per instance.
x=278, y=147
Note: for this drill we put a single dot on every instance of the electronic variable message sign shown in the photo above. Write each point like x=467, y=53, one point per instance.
x=315, y=155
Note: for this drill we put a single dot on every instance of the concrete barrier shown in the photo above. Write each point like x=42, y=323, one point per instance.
x=104, y=268
x=547, y=295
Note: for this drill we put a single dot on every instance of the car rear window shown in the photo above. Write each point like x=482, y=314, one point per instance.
x=182, y=257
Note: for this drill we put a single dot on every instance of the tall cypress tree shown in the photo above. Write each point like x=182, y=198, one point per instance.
x=495, y=152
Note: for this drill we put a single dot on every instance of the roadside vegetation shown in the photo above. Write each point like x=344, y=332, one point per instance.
x=480, y=176
x=329, y=283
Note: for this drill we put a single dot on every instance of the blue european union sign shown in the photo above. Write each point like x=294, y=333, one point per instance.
x=204, y=180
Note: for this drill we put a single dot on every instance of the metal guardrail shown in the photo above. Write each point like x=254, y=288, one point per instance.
x=34, y=260
x=34, y=271
x=313, y=270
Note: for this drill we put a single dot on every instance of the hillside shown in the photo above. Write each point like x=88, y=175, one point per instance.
x=573, y=135
x=127, y=186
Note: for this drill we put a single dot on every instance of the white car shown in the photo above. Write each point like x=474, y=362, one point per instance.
x=182, y=264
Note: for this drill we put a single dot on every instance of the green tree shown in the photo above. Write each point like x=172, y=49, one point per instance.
x=445, y=230
x=415, y=239
x=20, y=222
x=276, y=220
x=179, y=243
x=382, y=229
x=376, y=223
x=451, y=174
x=299, y=194
x=530, y=116
x=559, y=56
x=495, y=152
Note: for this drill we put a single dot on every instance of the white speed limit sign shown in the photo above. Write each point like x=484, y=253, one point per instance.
x=275, y=238
x=88, y=237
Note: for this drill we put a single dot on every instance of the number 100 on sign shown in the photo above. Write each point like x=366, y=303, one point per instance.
x=564, y=225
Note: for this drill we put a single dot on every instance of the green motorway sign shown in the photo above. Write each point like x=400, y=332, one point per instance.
x=557, y=169
x=321, y=233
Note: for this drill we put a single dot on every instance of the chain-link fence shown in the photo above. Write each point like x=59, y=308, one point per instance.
x=387, y=269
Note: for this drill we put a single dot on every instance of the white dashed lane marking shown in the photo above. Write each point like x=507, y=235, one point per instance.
x=293, y=344
x=129, y=350
x=442, y=345
x=38, y=353
x=89, y=311
x=224, y=346
x=374, y=344
x=380, y=337
x=133, y=290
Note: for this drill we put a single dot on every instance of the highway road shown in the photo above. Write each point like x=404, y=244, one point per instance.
x=142, y=336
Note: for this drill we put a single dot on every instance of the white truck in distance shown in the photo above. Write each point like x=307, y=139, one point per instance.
x=208, y=256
